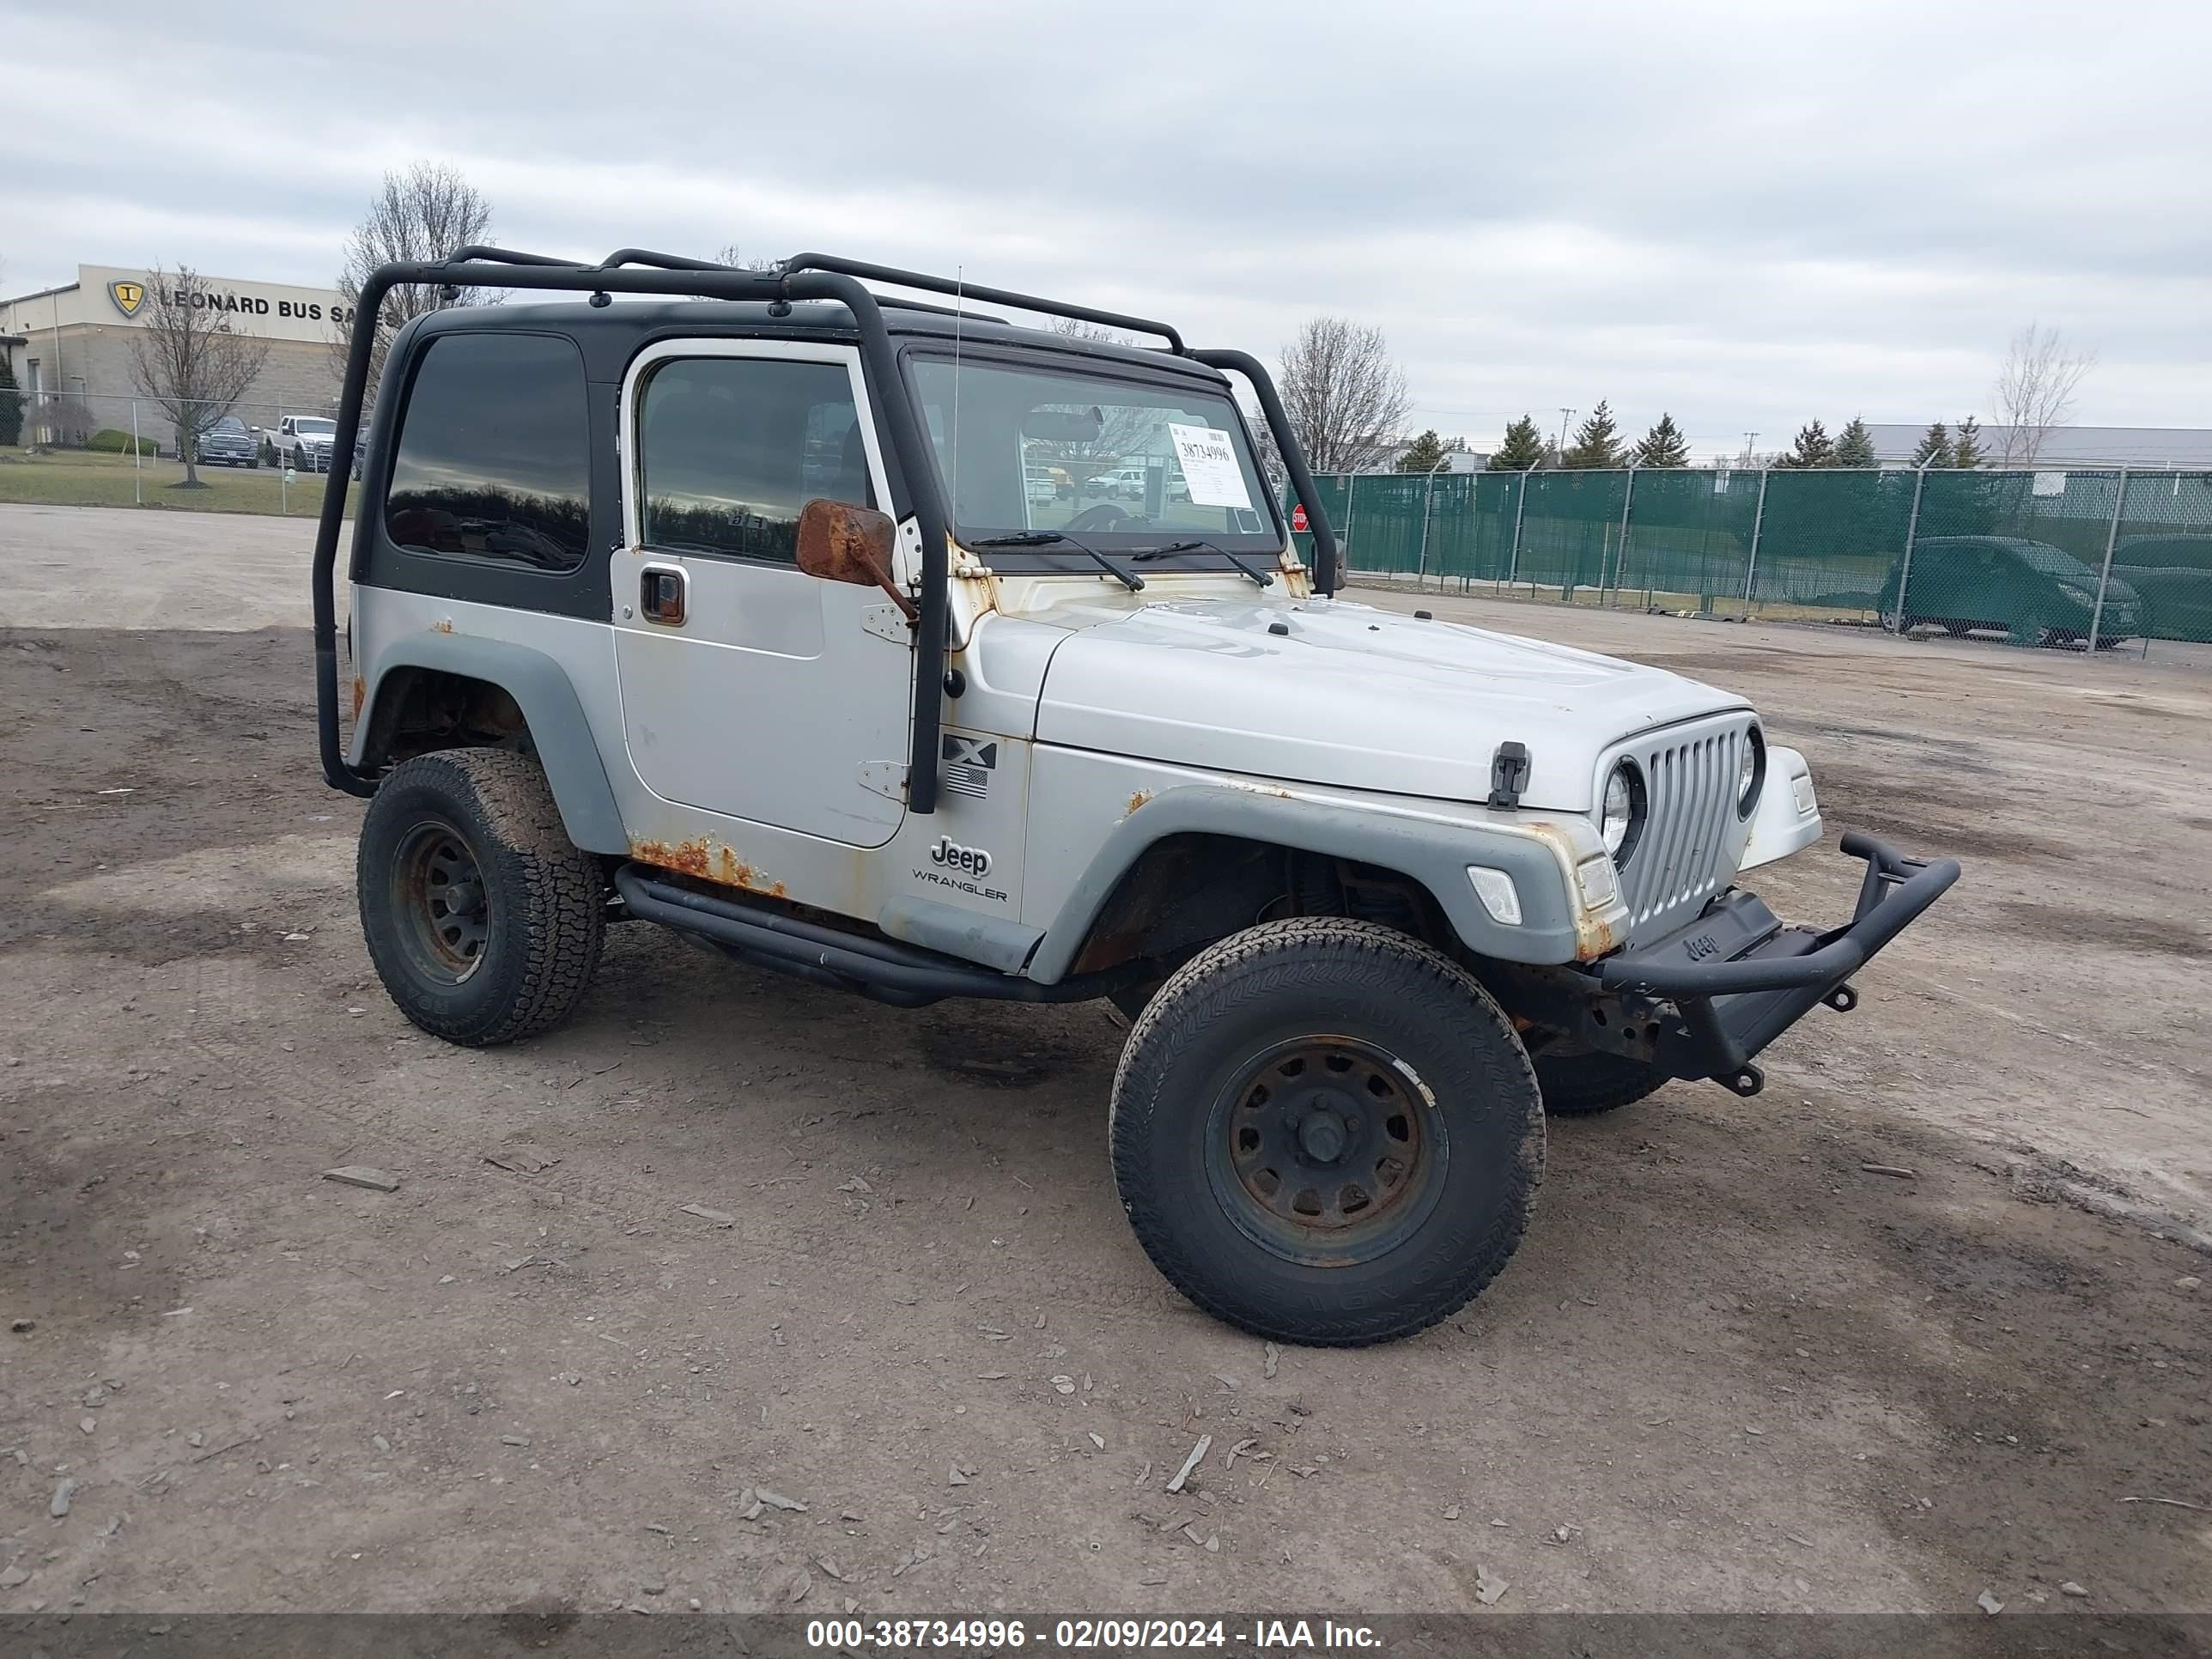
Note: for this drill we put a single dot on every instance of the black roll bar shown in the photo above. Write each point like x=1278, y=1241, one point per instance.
x=1325, y=571
x=965, y=291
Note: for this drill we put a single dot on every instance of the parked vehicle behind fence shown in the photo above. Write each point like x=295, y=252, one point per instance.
x=227, y=443
x=2031, y=592
x=2171, y=577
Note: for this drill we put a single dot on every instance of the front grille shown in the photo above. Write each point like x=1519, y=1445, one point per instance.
x=1682, y=857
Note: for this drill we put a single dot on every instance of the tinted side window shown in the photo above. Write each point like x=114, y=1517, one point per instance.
x=493, y=457
x=730, y=449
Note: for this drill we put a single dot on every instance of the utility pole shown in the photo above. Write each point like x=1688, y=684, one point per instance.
x=1565, y=415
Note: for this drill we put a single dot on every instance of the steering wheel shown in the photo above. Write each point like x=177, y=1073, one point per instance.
x=1104, y=516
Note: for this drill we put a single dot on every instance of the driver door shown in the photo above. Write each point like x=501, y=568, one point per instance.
x=750, y=688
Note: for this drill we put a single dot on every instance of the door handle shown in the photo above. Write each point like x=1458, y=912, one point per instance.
x=662, y=592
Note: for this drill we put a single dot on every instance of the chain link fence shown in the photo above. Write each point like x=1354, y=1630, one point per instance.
x=2086, y=560
x=2097, y=559
x=101, y=451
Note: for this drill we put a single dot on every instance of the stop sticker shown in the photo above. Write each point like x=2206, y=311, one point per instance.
x=1297, y=516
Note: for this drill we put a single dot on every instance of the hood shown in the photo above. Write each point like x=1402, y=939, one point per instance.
x=1355, y=697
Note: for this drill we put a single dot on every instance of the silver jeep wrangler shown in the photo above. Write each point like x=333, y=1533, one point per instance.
x=739, y=609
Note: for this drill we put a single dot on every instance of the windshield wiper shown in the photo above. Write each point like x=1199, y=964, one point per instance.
x=1253, y=571
x=1129, y=580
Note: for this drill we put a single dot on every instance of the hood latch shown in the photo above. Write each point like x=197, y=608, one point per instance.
x=1508, y=770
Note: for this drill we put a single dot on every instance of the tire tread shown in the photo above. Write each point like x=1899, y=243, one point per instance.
x=560, y=922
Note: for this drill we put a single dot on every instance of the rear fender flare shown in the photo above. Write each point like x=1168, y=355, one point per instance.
x=541, y=688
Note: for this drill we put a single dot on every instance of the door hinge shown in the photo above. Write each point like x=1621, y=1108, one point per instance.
x=884, y=778
x=887, y=621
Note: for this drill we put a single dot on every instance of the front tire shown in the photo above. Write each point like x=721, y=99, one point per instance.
x=483, y=922
x=1584, y=1085
x=1326, y=1132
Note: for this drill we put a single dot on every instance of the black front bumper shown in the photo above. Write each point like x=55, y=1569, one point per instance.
x=1738, y=978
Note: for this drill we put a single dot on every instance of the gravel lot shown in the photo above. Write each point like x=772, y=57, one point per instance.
x=1731, y=1369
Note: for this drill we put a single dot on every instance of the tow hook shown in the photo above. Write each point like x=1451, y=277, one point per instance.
x=1746, y=1082
x=1843, y=999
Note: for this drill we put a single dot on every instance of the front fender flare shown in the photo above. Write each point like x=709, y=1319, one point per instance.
x=1533, y=847
x=542, y=689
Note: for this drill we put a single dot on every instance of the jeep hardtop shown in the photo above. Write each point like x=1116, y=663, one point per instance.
x=733, y=608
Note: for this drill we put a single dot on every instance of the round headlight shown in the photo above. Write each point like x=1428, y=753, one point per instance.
x=1751, y=772
x=1622, y=813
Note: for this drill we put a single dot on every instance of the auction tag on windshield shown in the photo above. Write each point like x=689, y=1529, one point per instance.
x=1209, y=466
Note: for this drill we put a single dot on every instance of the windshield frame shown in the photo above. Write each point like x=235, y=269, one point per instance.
x=1168, y=373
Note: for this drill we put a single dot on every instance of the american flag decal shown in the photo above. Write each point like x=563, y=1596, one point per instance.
x=967, y=763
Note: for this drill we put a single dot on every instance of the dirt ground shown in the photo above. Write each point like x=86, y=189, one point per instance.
x=1730, y=1370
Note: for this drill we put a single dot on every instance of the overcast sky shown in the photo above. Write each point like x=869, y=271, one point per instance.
x=1747, y=214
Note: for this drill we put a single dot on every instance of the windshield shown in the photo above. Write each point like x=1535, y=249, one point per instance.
x=315, y=427
x=1127, y=465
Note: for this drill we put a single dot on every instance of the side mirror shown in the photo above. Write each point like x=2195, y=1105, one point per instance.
x=841, y=543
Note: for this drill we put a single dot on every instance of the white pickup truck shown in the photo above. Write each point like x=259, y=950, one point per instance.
x=302, y=441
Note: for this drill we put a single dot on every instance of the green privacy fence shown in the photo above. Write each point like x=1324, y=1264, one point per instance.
x=2103, y=558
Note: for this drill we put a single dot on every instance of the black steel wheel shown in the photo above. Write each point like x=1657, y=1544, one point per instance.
x=484, y=923
x=438, y=897
x=1325, y=1132
x=1325, y=1150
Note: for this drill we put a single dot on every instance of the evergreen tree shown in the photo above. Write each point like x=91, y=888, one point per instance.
x=1935, y=446
x=1967, y=447
x=1523, y=448
x=1855, y=444
x=1597, y=440
x=11, y=405
x=1663, y=446
x=1814, y=447
x=1426, y=453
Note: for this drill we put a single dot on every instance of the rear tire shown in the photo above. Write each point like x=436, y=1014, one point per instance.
x=1324, y=1132
x=1584, y=1085
x=483, y=922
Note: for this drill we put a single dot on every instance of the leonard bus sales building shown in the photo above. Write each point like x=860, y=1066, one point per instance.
x=73, y=344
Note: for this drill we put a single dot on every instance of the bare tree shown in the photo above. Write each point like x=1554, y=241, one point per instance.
x=1124, y=430
x=191, y=360
x=730, y=254
x=1345, y=397
x=1074, y=328
x=424, y=213
x=1265, y=450
x=2034, y=391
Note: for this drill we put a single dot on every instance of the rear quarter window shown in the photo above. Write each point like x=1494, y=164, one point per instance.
x=494, y=457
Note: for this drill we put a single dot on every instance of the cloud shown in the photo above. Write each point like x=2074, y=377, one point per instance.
x=1746, y=214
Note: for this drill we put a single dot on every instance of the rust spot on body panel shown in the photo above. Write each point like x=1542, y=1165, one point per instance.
x=359, y=695
x=705, y=860
x=1593, y=935
x=1138, y=799
x=689, y=858
x=443, y=625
